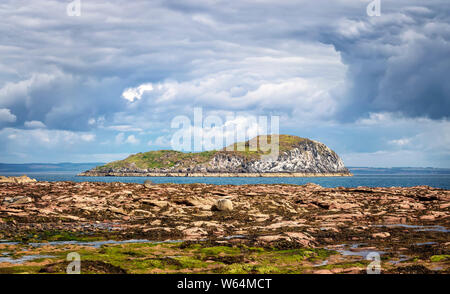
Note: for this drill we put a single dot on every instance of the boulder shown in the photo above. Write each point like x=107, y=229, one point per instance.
x=148, y=184
x=223, y=205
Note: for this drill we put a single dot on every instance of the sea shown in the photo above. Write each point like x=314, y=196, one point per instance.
x=369, y=180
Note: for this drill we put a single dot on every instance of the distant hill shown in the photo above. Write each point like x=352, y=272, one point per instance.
x=296, y=156
x=47, y=167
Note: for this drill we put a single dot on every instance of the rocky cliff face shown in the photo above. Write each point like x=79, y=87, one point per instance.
x=307, y=157
x=296, y=155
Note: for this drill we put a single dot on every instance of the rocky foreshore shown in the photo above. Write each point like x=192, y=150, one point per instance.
x=397, y=222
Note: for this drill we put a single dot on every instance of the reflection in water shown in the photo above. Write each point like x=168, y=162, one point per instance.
x=21, y=259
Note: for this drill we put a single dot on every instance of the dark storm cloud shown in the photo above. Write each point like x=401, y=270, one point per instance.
x=80, y=66
x=398, y=62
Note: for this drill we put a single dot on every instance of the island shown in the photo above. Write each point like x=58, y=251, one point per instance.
x=297, y=157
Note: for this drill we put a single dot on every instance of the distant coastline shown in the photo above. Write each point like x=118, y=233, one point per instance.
x=76, y=168
x=243, y=175
x=47, y=167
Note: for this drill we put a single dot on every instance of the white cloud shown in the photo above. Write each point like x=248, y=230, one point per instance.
x=34, y=124
x=376, y=118
x=132, y=140
x=132, y=94
x=45, y=138
x=99, y=157
x=250, y=89
x=88, y=137
x=7, y=116
x=161, y=141
x=124, y=128
x=13, y=92
x=216, y=132
x=400, y=142
x=119, y=138
x=204, y=19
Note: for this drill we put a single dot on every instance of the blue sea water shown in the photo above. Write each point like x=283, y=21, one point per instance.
x=385, y=180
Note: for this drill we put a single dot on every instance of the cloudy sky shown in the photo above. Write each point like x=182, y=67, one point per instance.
x=107, y=83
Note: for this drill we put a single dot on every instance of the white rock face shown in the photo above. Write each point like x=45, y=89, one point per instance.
x=309, y=157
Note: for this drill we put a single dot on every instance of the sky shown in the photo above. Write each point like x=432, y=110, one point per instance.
x=108, y=82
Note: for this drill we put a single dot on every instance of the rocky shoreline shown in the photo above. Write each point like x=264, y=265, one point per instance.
x=214, y=174
x=408, y=227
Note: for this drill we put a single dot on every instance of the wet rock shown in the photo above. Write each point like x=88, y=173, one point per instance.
x=445, y=205
x=394, y=220
x=156, y=203
x=284, y=225
x=411, y=269
x=127, y=193
x=17, y=200
x=381, y=235
x=427, y=217
x=71, y=218
x=272, y=238
x=117, y=210
x=350, y=270
x=323, y=272
x=140, y=212
x=311, y=186
x=88, y=266
x=304, y=239
x=343, y=206
x=194, y=233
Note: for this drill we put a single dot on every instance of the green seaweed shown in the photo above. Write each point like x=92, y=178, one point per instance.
x=220, y=249
x=438, y=258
